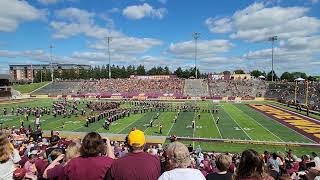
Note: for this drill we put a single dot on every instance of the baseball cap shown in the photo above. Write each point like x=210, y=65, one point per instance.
x=19, y=173
x=136, y=138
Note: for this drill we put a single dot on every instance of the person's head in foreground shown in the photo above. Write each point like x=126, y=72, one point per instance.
x=5, y=148
x=92, y=145
x=251, y=166
x=178, y=160
x=223, y=162
x=136, y=140
x=178, y=155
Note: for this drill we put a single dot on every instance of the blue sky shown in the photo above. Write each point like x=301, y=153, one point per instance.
x=159, y=32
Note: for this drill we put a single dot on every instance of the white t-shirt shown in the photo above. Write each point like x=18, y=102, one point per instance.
x=7, y=168
x=317, y=161
x=182, y=173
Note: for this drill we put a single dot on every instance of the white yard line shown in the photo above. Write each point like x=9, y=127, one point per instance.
x=39, y=88
x=194, y=129
x=216, y=125
x=263, y=126
x=215, y=122
x=238, y=124
x=128, y=125
x=171, y=127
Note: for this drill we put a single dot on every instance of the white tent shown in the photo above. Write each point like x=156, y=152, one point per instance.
x=299, y=79
x=262, y=77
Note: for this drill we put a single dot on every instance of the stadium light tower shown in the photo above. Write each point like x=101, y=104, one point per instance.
x=108, y=41
x=196, y=36
x=51, y=67
x=272, y=39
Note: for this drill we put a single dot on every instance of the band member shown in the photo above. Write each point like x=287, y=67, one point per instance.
x=151, y=123
x=37, y=121
x=22, y=123
x=87, y=123
x=218, y=119
x=63, y=124
x=199, y=116
x=160, y=128
x=193, y=124
x=106, y=124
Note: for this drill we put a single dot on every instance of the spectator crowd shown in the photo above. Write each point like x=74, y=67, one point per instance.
x=237, y=88
x=95, y=157
x=285, y=92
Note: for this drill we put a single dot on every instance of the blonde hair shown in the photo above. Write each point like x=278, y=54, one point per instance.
x=73, y=150
x=5, y=150
x=178, y=155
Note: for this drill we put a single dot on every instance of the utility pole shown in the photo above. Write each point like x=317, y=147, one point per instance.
x=51, y=67
x=32, y=75
x=196, y=36
x=108, y=41
x=272, y=39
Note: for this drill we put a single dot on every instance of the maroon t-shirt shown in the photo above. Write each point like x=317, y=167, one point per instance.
x=88, y=168
x=140, y=166
x=56, y=173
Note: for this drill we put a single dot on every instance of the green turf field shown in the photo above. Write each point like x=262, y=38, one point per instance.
x=237, y=121
x=27, y=88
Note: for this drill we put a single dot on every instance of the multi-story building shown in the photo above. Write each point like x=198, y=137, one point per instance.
x=23, y=72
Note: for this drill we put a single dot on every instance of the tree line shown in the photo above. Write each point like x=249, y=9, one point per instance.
x=101, y=72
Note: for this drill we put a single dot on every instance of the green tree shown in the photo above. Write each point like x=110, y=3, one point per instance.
x=167, y=70
x=141, y=70
x=287, y=76
x=239, y=71
x=256, y=73
x=152, y=71
x=178, y=72
x=269, y=76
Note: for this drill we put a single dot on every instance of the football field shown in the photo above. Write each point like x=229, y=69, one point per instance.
x=238, y=121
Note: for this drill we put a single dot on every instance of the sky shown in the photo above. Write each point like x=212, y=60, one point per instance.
x=233, y=33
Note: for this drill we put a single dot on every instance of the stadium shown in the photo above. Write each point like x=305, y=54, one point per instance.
x=219, y=105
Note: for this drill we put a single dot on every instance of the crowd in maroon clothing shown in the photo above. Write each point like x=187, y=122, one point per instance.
x=96, y=158
x=172, y=85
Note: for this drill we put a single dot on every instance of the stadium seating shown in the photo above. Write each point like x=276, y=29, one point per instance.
x=237, y=88
x=196, y=87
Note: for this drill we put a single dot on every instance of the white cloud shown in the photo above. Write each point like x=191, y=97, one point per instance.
x=205, y=48
x=314, y=1
x=257, y=22
x=294, y=54
x=76, y=21
x=49, y=2
x=222, y=25
x=14, y=12
x=127, y=45
x=141, y=11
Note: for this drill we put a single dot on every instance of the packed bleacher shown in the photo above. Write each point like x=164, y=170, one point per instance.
x=94, y=157
x=237, y=88
x=285, y=92
x=172, y=85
